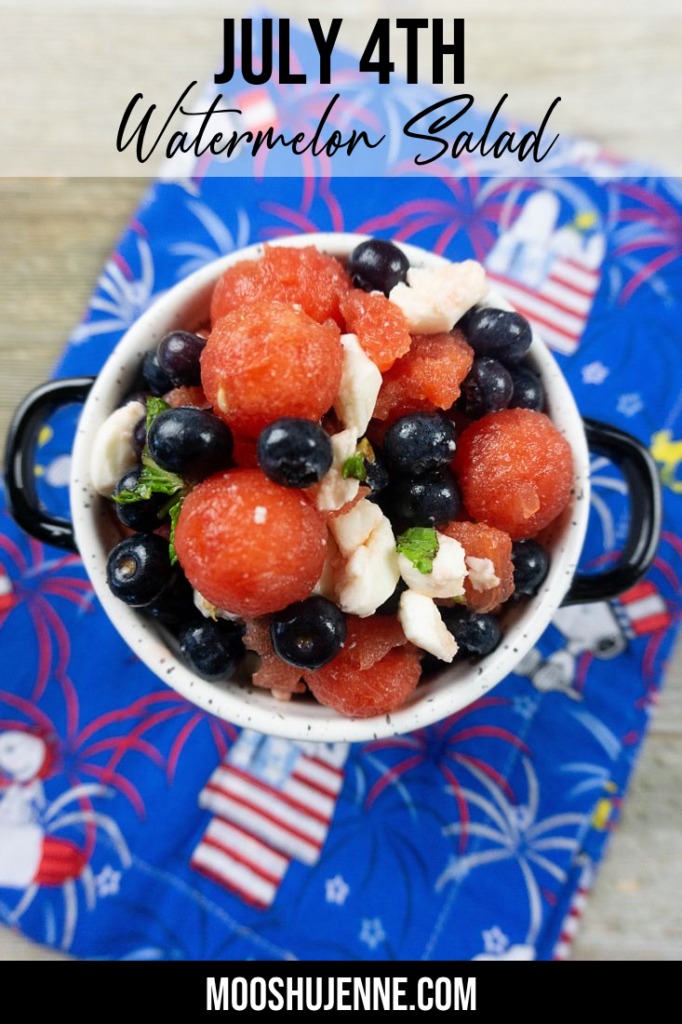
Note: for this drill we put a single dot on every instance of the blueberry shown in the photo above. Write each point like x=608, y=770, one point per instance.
x=138, y=439
x=136, y=396
x=488, y=388
x=308, y=634
x=158, y=381
x=497, y=333
x=431, y=664
x=179, y=357
x=531, y=565
x=419, y=443
x=142, y=516
x=476, y=635
x=191, y=442
x=175, y=604
x=529, y=391
x=429, y=500
x=377, y=266
x=294, y=452
x=212, y=649
x=139, y=568
x=377, y=474
x=390, y=605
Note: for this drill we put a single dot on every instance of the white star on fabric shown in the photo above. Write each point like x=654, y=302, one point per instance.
x=336, y=890
x=494, y=940
x=273, y=772
x=372, y=932
x=108, y=882
x=595, y=373
x=630, y=404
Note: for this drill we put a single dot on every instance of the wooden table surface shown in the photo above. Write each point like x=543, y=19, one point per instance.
x=56, y=234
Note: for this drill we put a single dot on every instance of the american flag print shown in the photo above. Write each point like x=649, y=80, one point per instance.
x=642, y=610
x=550, y=274
x=273, y=802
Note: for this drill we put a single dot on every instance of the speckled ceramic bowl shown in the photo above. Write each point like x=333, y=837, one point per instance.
x=94, y=531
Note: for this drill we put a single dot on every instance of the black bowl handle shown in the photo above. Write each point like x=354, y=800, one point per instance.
x=644, y=489
x=20, y=485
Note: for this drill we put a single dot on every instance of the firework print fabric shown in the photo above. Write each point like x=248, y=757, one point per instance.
x=134, y=826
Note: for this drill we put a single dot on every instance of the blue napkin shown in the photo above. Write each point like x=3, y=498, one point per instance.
x=134, y=826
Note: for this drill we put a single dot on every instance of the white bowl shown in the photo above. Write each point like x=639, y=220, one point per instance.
x=186, y=306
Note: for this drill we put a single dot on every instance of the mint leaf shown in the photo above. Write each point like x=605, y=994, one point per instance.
x=174, y=513
x=125, y=497
x=354, y=466
x=153, y=480
x=154, y=407
x=420, y=545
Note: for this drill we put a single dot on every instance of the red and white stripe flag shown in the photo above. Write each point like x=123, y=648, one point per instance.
x=273, y=802
x=560, y=305
x=641, y=610
x=548, y=270
x=235, y=859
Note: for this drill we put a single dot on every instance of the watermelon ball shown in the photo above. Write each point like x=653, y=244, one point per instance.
x=156, y=379
x=212, y=649
x=476, y=635
x=531, y=565
x=482, y=541
x=419, y=443
x=381, y=327
x=138, y=569
x=272, y=673
x=488, y=388
x=184, y=395
x=515, y=470
x=363, y=693
x=369, y=640
x=309, y=633
x=529, y=391
x=264, y=362
x=428, y=500
x=497, y=333
x=377, y=265
x=294, y=452
x=374, y=673
x=297, y=276
x=248, y=545
x=189, y=441
x=179, y=356
x=142, y=516
x=432, y=371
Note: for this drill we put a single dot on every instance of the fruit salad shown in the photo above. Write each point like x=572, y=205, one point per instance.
x=341, y=483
